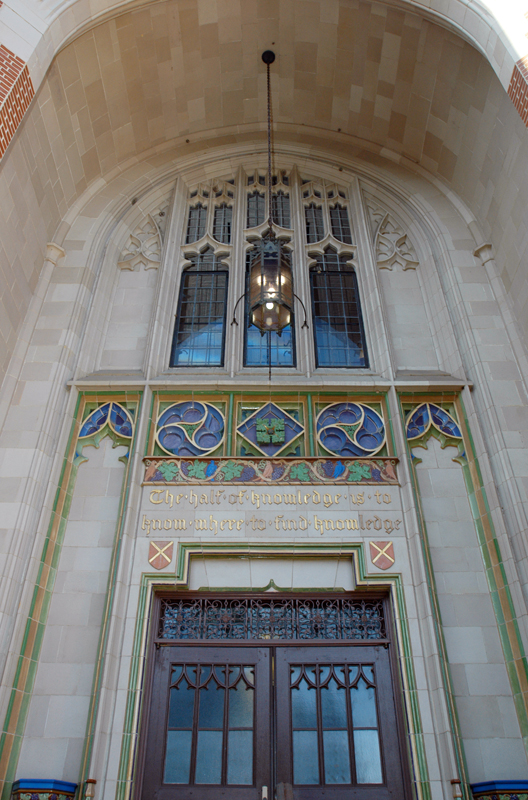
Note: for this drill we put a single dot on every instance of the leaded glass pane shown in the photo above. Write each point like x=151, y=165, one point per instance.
x=196, y=223
x=340, y=224
x=314, y=223
x=280, y=206
x=217, y=725
x=222, y=223
x=338, y=323
x=256, y=207
x=200, y=324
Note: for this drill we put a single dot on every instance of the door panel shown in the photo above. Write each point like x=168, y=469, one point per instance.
x=336, y=725
x=209, y=727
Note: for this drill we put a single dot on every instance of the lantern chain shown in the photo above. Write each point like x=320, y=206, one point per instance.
x=270, y=204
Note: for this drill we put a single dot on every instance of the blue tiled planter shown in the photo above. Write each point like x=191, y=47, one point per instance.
x=43, y=790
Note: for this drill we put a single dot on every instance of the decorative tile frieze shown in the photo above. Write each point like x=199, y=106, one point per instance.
x=350, y=429
x=293, y=471
x=43, y=790
x=190, y=428
x=270, y=429
x=500, y=790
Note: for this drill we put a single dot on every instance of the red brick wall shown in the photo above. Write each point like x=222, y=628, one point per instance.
x=518, y=88
x=16, y=93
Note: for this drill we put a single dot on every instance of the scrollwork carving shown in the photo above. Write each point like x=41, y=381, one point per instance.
x=391, y=243
x=145, y=242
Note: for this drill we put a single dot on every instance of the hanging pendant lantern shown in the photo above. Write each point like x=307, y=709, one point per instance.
x=270, y=287
x=270, y=277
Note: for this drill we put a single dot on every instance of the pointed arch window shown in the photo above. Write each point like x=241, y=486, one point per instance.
x=199, y=332
x=339, y=336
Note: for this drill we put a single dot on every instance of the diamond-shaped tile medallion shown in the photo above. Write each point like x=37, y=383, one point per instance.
x=270, y=429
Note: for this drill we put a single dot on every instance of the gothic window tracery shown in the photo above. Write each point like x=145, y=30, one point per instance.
x=311, y=218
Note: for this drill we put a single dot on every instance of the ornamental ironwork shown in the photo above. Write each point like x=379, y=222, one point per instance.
x=262, y=619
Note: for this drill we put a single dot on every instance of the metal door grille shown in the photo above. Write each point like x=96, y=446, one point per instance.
x=261, y=619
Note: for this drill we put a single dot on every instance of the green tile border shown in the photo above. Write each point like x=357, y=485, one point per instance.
x=23, y=682
x=355, y=551
x=516, y=663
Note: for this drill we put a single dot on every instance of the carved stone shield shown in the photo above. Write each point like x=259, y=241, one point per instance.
x=160, y=554
x=382, y=554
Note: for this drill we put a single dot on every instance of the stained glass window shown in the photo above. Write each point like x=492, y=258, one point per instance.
x=199, y=332
x=338, y=324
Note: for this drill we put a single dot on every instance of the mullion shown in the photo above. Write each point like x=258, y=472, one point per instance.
x=194, y=742
x=350, y=725
x=225, y=731
x=319, y=711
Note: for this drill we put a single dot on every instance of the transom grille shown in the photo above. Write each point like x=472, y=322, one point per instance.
x=261, y=619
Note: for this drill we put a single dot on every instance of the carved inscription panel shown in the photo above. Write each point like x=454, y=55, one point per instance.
x=285, y=512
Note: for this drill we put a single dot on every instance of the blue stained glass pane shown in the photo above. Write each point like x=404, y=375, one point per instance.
x=120, y=420
x=368, y=758
x=305, y=757
x=178, y=757
x=209, y=757
x=444, y=421
x=240, y=758
x=336, y=756
x=418, y=422
x=95, y=421
x=422, y=416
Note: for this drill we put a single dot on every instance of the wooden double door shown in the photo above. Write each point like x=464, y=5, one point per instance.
x=287, y=721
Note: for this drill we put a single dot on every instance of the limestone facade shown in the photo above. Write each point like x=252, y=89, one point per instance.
x=141, y=105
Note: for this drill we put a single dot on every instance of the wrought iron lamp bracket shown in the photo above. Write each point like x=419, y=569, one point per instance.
x=235, y=322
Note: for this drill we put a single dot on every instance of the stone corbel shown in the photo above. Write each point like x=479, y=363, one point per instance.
x=484, y=252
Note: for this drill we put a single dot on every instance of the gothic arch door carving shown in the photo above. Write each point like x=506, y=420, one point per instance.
x=289, y=698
